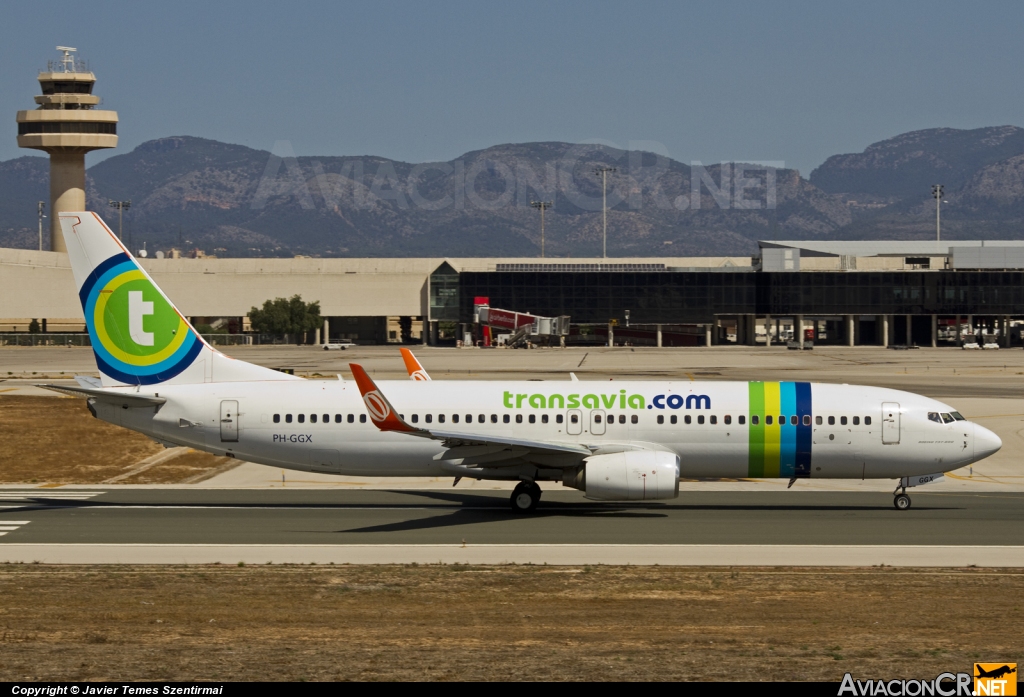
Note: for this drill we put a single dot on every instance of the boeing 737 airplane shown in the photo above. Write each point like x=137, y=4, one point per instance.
x=615, y=441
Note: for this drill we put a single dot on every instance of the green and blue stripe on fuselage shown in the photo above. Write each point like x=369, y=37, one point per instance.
x=778, y=447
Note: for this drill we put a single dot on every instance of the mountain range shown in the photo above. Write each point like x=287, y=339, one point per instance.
x=237, y=201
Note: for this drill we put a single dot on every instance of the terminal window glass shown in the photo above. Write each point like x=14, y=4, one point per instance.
x=362, y=418
x=672, y=419
x=277, y=418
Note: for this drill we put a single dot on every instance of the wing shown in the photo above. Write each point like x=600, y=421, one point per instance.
x=413, y=367
x=477, y=449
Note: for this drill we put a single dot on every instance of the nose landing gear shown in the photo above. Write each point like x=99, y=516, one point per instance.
x=900, y=500
x=525, y=497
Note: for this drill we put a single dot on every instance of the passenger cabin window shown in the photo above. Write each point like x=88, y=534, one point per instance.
x=415, y=418
x=440, y=418
x=558, y=418
x=481, y=418
x=327, y=418
x=337, y=418
x=728, y=419
x=700, y=419
x=755, y=420
x=768, y=420
x=688, y=419
x=672, y=419
x=362, y=418
x=455, y=418
x=817, y=420
x=543, y=418
x=302, y=418
x=494, y=418
x=469, y=419
x=714, y=419
x=505, y=418
x=807, y=419
x=575, y=418
x=842, y=420
x=287, y=418
x=742, y=419
x=867, y=420
x=533, y=418
x=856, y=421
x=794, y=420
x=428, y=418
x=351, y=418
x=277, y=418
x=519, y=418
x=622, y=418
x=634, y=419
x=661, y=419
x=312, y=418
x=831, y=421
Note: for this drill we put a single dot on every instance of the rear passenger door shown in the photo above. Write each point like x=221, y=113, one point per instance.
x=574, y=422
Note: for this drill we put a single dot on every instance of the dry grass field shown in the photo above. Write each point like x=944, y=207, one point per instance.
x=55, y=440
x=501, y=623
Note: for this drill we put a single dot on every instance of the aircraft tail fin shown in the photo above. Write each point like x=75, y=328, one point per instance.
x=138, y=336
x=413, y=367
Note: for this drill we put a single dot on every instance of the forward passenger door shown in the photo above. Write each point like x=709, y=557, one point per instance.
x=890, y=423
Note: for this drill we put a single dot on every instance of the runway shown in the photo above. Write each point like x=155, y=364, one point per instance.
x=429, y=526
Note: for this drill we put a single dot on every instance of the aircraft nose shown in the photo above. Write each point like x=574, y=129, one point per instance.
x=985, y=443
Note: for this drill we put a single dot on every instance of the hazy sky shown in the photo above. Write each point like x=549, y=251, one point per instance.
x=423, y=81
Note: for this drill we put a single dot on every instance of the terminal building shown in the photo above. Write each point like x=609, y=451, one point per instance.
x=848, y=293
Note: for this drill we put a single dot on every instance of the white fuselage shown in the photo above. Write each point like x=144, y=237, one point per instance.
x=321, y=426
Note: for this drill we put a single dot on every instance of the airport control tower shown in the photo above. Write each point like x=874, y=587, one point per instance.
x=67, y=125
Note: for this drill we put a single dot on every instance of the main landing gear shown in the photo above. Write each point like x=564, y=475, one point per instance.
x=900, y=500
x=525, y=497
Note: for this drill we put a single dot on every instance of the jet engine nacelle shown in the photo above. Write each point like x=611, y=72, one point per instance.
x=633, y=475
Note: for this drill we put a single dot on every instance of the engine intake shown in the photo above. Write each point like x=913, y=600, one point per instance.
x=633, y=475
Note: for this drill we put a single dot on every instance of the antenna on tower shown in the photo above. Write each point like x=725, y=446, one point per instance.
x=68, y=61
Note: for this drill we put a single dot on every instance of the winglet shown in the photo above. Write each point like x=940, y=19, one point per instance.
x=381, y=412
x=415, y=370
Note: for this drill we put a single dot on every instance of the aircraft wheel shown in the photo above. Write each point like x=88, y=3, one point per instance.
x=901, y=502
x=525, y=497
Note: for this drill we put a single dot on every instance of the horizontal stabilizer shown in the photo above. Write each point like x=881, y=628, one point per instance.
x=124, y=399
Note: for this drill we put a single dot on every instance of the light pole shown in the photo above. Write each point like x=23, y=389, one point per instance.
x=603, y=171
x=42, y=204
x=937, y=193
x=120, y=206
x=541, y=206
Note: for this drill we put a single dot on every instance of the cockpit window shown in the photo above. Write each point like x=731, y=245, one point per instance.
x=934, y=416
x=956, y=415
x=947, y=418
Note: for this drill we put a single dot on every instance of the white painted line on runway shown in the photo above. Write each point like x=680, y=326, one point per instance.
x=556, y=555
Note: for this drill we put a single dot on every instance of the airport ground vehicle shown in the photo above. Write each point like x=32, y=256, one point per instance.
x=338, y=345
x=629, y=440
